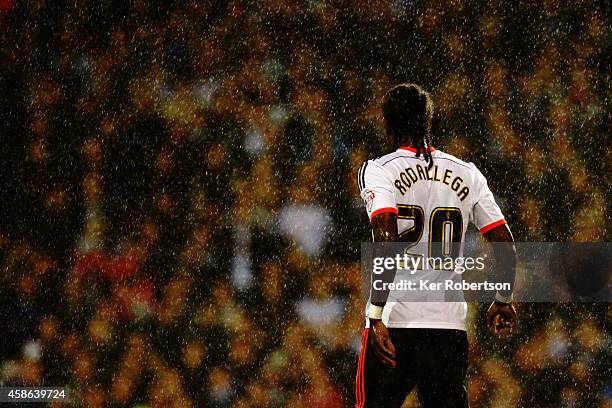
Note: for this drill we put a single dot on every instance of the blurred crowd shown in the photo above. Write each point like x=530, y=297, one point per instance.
x=180, y=218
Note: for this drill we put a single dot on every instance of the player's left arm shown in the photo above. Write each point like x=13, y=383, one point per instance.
x=501, y=315
x=488, y=217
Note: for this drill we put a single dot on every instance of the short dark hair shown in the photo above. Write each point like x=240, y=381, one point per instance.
x=408, y=111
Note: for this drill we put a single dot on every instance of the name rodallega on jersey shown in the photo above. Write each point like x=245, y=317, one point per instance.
x=432, y=205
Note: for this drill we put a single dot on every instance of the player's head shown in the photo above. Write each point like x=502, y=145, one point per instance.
x=408, y=110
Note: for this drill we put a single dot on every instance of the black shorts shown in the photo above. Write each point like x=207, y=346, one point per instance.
x=433, y=360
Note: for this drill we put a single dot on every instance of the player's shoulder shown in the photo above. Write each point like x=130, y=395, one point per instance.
x=377, y=165
x=439, y=154
x=388, y=158
x=373, y=170
x=474, y=172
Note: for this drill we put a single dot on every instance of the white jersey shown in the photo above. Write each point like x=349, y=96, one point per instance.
x=426, y=201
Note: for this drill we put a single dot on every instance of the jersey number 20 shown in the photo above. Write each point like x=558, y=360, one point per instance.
x=445, y=229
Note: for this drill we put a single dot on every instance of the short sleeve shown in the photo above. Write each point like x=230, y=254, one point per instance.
x=486, y=214
x=376, y=189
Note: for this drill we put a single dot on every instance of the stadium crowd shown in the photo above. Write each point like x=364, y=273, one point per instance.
x=181, y=223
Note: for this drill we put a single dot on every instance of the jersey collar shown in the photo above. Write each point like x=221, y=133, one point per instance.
x=413, y=150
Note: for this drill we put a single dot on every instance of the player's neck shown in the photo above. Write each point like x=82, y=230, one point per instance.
x=413, y=149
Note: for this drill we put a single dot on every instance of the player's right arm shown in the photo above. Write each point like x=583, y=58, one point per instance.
x=376, y=188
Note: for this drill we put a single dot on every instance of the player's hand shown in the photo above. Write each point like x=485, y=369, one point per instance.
x=501, y=318
x=381, y=343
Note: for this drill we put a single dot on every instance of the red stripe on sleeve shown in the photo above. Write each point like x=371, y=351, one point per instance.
x=383, y=210
x=489, y=227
